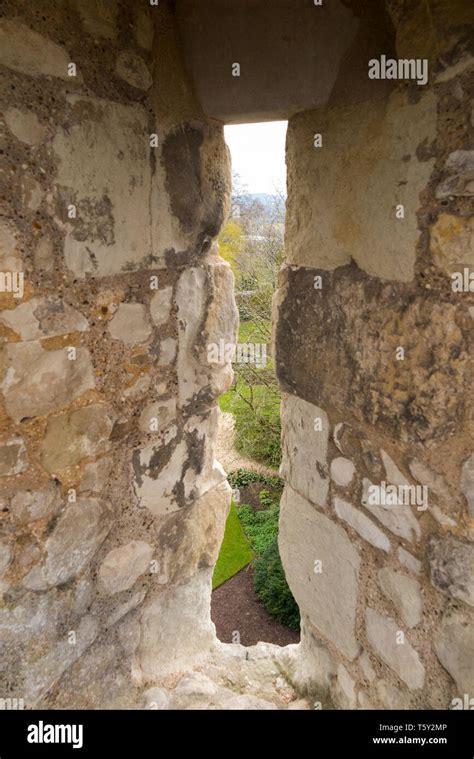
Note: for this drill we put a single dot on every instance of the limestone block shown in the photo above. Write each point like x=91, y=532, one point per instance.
x=103, y=166
x=435, y=482
x=43, y=317
x=342, y=471
x=99, y=19
x=160, y=306
x=467, y=482
x=452, y=567
x=459, y=182
x=5, y=556
x=158, y=416
x=167, y=617
x=75, y=435
x=95, y=475
x=130, y=324
x=343, y=204
x=305, y=430
x=143, y=29
x=10, y=259
x=327, y=597
x=405, y=594
x=78, y=533
x=156, y=487
x=409, y=561
x=42, y=675
x=391, y=696
x=343, y=689
x=168, y=348
x=13, y=457
x=382, y=634
x=452, y=242
x=122, y=566
x=193, y=542
x=156, y=698
x=37, y=381
x=25, y=125
x=133, y=70
x=398, y=519
x=27, y=51
x=29, y=505
x=454, y=645
x=394, y=475
x=362, y=524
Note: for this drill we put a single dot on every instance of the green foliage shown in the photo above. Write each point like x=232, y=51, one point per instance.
x=256, y=409
x=272, y=589
x=235, y=552
x=261, y=528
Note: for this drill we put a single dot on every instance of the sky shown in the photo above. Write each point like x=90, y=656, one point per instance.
x=258, y=154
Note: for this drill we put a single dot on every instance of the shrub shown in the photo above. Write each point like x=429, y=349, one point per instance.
x=272, y=589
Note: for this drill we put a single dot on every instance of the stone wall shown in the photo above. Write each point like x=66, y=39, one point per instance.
x=112, y=507
x=372, y=342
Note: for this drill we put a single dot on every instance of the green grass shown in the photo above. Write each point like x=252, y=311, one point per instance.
x=235, y=552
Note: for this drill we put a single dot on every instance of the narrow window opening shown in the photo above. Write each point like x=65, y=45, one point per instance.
x=251, y=600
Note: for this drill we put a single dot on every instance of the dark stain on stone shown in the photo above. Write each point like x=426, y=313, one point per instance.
x=181, y=159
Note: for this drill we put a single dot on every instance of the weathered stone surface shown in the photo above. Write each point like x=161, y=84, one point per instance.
x=10, y=259
x=36, y=381
x=160, y=306
x=452, y=242
x=31, y=192
x=401, y=657
x=327, y=222
x=29, y=505
x=342, y=471
x=199, y=377
x=43, y=317
x=452, y=567
x=130, y=324
x=156, y=489
x=46, y=671
x=459, y=179
x=398, y=519
x=168, y=348
x=366, y=666
x=95, y=475
x=328, y=597
x=24, y=50
x=467, y=482
x=103, y=166
x=394, y=475
x=25, y=125
x=44, y=254
x=409, y=561
x=362, y=524
x=405, y=594
x=156, y=698
x=343, y=689
x=13, y=457
x=99, y=19
x=75, y=435
x=192, y=540
x=143, y=30
x=165, y=644
x=122, y=566
x=304, y=449
x=124, y=608
x=435, y=482
x=5, y=556
x=158, y=416
x=78, y=533
x=391, y=696
x=454, y=645
x=133, y=70
x=356, y=323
